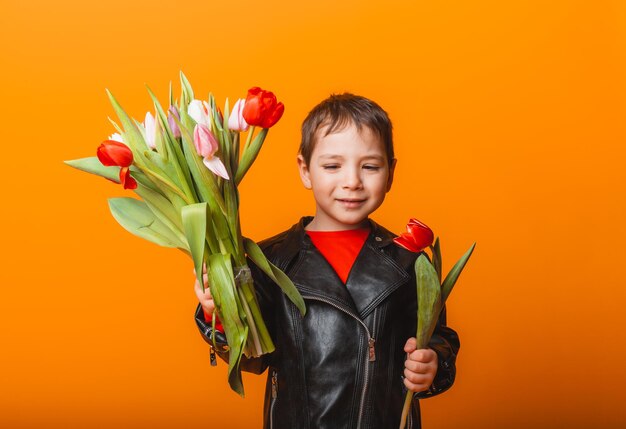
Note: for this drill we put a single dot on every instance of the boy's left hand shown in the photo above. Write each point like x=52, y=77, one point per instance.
x=420, y=367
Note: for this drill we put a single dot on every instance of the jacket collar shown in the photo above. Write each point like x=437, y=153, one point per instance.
x=373, y=277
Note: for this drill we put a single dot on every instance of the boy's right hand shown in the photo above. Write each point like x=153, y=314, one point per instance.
x=204, y=294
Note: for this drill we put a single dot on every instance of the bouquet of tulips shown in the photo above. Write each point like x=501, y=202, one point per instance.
x=431, y=291
x=185, y=164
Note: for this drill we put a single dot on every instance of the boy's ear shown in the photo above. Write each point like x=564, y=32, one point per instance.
x=304, y=172
x=392, y=169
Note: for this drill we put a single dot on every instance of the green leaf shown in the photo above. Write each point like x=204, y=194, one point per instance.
x=249, y=155
x=194, y=219
x=135, y=217
x=436, y=248
x=187, y=91
x=428, y=300
x=162, y=209
x=454, y=273
x=93, y=165
x=276, y=274
x=223, y=290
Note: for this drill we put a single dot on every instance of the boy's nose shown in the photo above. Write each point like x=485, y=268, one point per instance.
x=352, y=180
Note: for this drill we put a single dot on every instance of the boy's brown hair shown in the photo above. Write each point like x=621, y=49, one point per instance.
x=341, y=110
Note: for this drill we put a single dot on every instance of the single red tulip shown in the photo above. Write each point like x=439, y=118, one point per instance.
x=417, y=238
x=261, y=108
x=111, y=153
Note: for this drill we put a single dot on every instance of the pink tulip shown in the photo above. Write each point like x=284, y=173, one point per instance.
x=236, y=122
x=206, y=145
x=171, y=114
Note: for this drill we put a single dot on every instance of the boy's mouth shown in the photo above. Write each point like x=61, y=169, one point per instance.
x=350, y=202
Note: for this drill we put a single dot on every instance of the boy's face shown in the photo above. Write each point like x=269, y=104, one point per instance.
x=349, y=174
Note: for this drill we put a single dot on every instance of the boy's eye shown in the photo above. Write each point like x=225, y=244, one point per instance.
x=330, y=166
x=371, y=167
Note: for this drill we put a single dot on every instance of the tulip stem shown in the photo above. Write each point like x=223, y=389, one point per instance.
x=248, y=139
x=405, y=410
x=261, y=337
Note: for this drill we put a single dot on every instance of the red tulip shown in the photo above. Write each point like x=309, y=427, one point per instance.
x=261, y=108
x=111, y=153
x=417, y=238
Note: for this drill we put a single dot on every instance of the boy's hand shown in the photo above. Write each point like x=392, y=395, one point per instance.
x=420, y=367
x=204, y=295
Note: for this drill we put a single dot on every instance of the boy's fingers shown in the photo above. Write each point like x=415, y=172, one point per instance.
x=416, y=367
x=418, y=386
x=423, y=355
x=411, y=345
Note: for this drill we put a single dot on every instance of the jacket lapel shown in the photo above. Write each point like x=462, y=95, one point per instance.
x=315, y=277
x=374, y=275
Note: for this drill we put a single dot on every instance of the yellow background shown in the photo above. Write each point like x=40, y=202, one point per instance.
x=509, y=130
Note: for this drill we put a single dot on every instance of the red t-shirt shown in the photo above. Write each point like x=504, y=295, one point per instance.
x=340, y=248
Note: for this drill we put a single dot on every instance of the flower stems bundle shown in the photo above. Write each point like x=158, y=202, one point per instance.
x=185, y=164
x=432, y=293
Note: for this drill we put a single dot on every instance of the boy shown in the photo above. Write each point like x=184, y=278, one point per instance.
x=348, y=361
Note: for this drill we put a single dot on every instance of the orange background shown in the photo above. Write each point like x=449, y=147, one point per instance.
x=509, y=129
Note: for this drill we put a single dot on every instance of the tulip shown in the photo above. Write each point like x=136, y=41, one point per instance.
x=417, y=238
x=261, y=108
x=236, y=122
x=206, y=145
x=200, y=111
x=171, y=113
x=150, y=125
x=111, y=153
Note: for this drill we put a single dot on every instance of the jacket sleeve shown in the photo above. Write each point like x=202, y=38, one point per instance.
x=445, y=342
x=220, y=347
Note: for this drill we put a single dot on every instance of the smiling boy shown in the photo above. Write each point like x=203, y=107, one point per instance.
x=348, y=361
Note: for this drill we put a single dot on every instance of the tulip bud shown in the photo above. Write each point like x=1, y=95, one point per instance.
x=150, y=127
x=171, y=113
x=261, y=108
x=417, y=238
x=236, y=122
x=205, y=142
x=200, y=112
x=112, y=153
x=206, y=145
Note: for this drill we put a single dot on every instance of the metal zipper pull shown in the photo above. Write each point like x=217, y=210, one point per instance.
x=212, y=356
x=371, y=342
x=274, y=384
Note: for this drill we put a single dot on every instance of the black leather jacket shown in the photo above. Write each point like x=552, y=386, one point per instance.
x=341, y=365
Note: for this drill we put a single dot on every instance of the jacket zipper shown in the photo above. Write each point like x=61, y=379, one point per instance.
x=371, y=356
x=274, y=396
